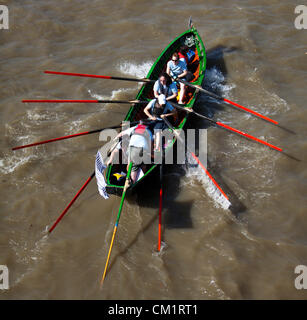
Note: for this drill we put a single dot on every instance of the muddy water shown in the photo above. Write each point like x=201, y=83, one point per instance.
x=210, y=251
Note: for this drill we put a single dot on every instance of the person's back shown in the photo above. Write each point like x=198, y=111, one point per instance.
x=140, y=137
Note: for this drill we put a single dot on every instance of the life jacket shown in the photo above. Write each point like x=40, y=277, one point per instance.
x=183, y=56
x=164, y=91
x=190, y=55
x=142, y=130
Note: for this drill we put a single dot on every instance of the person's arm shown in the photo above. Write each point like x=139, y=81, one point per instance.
x=146, y=111
x=170, y=112
x=156, y=88
x=112, y=156
x=185, y=70
x=174, y=91
x=168, y=70
x=183, y=74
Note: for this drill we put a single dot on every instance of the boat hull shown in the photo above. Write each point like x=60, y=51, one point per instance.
x=135, y=113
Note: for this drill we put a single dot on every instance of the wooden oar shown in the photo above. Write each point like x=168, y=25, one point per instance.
x=78, y=194
x=98, y=76
x=81, y=101
x=160, y=206
x=71, y=202
x=196, y=158
x=178, y=79
x=117, y=222
x=226, y=100
x=225, y=126
x=70, y=136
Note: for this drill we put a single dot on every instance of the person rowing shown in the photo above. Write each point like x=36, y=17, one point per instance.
x=156, y=110
x=177, y=69
x=164, y=85
x=139, y=147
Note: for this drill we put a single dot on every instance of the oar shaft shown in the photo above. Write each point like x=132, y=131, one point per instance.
x=227, y=127
x=196, y=158
x=69, y=136
x=71, y=202
x=117, y=222
x=160, y=207
x=98, y=76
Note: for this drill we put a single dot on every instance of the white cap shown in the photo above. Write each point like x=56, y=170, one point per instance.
x=162, y=99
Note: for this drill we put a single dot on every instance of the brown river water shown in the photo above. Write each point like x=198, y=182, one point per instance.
x=250, y=250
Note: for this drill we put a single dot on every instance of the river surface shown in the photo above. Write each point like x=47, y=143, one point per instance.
x=250, y=250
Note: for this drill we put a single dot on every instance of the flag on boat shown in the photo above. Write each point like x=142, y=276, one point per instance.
x=99, y=169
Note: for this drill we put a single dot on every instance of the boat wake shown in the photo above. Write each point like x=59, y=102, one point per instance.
x=194, y=172
x=114, y=94
x=134, y=69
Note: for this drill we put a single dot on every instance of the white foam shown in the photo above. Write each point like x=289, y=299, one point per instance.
x=215, y=79
x=197, y=173
x=114, y=94
x=134, y=69
x=10, y=164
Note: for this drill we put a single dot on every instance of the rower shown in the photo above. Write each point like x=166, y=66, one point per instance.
x=177, y=69
x=139, y=147
x=156, y=110
x=164, y=85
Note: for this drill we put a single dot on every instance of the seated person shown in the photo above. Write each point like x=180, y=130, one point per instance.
x=156, y=110
x=164, y=85
x=139, y=145
x=187, y=55
x=177, y=69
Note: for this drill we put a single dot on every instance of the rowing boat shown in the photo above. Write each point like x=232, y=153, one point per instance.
x=197, y=67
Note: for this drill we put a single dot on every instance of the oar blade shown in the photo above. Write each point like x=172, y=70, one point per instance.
x=248, y=136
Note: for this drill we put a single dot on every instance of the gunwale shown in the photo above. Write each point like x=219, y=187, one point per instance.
x=146, y=92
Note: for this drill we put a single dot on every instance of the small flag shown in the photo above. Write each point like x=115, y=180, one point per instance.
x=119, y=175
x=101, y=183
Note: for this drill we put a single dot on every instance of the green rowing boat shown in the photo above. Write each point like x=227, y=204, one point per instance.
x=197, y=67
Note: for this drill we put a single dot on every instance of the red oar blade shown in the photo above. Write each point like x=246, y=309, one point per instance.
x=98, y=76
x=248, y=136
x=209, y=175
x=82, y=101
x=51, y=140
x=71, y=202
x=227, y=101
x=77, y=74
x=250, y=111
